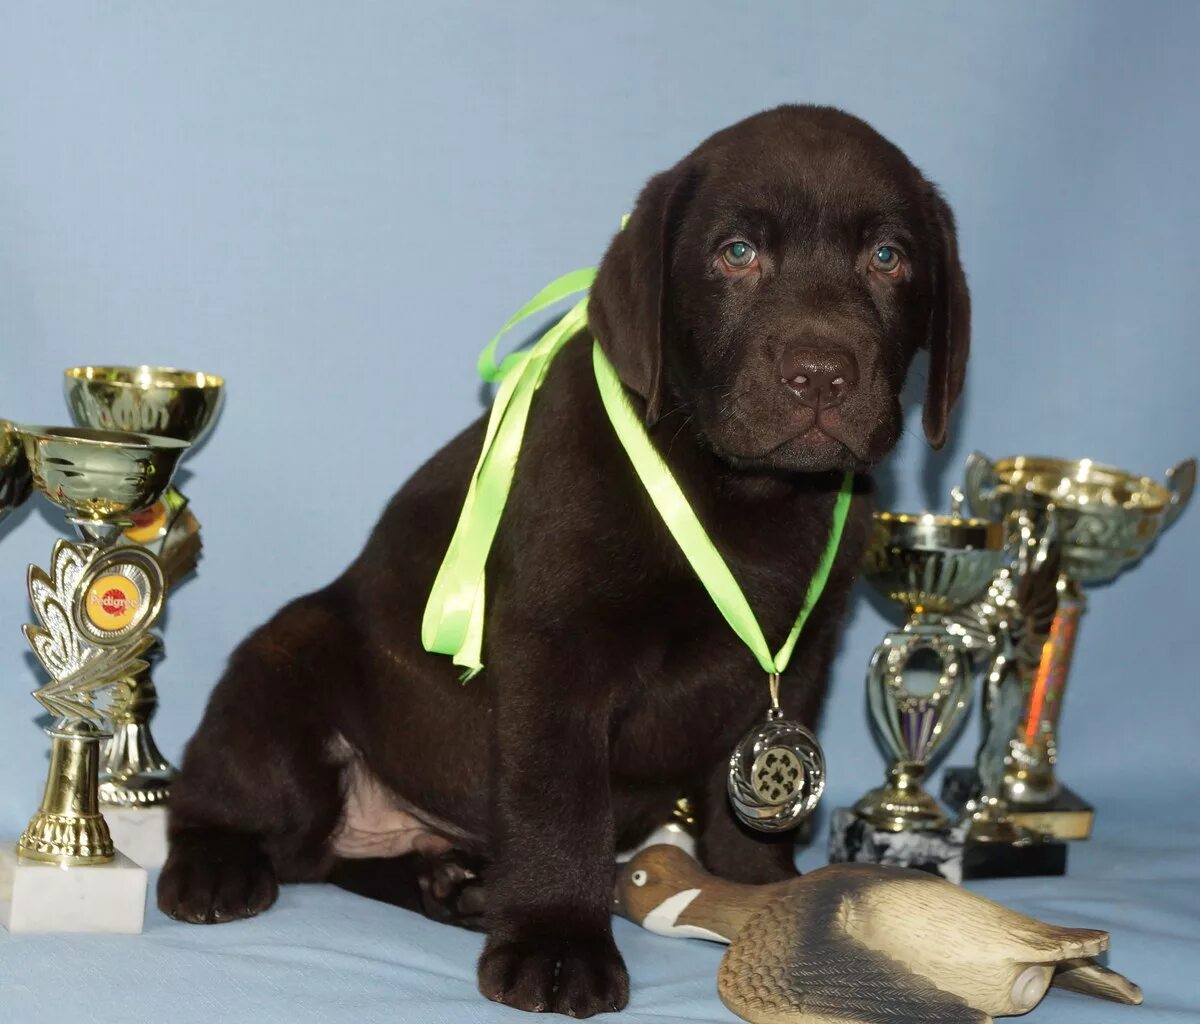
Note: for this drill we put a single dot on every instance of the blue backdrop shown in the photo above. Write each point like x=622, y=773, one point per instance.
x=334, y=206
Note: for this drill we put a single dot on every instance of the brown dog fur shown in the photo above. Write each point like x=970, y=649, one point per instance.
x=612, y=684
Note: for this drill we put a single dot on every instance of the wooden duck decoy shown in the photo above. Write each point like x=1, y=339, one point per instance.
x=864, y=943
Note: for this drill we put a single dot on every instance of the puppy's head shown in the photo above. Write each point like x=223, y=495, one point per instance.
x=776, y=284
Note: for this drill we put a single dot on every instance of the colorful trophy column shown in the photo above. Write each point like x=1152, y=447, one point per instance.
x=1104, y=519
x=1011, y=624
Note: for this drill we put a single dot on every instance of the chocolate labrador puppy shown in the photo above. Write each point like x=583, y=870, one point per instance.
x=762, y=307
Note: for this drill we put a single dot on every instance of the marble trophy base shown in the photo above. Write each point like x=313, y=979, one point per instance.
x=139, y=832
x=943, y=851
x=1068, y=816
x=101, y=898
x=856, y=841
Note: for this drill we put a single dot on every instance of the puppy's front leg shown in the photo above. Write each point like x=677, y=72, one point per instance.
x=550, y=944
x=727, y=847
x=730, y=849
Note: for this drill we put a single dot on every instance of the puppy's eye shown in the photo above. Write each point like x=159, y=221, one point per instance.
x=739, y=255
x=887, y=260
x=639, y=878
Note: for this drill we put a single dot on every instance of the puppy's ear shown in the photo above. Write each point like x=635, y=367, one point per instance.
x=629, y=297
x=949, y=328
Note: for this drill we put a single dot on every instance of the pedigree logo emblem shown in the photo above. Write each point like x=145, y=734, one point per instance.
x=112, y=602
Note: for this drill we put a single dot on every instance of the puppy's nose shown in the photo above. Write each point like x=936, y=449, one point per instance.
x=819, y=377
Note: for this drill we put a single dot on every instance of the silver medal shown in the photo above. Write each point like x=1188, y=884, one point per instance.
x=776, y=774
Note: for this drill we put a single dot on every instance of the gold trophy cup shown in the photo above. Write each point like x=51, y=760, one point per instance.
x=161, y=402
x=1105, y=519
x=932, y=565
x=94, y=609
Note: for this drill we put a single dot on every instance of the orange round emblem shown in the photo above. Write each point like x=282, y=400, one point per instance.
x=148, y=523
x=112, y=602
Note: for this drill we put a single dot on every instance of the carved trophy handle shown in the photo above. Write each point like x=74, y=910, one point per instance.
x=980, y=482
x=1036, y=594
x=1037, y=544
x=1181, y=481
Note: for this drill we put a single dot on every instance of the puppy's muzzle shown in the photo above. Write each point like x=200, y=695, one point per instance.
x=820, y=377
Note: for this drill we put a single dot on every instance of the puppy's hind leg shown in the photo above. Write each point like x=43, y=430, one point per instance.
x=259, y=793
x=446, y=887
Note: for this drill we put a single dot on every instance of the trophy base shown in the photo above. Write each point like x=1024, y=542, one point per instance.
x=145, y=789
x=853, y=839
x=39, y=897
x=1068, y=816
x=892, y=809
x=945, y=851
x=140, y=833
x=1014, y=860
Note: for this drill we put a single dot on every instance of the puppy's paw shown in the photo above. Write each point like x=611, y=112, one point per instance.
x=578, y=975
x=213, y=877
x=452, y=889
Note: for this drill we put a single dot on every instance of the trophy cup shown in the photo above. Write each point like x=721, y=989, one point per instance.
x=94, y=608
x=932, y=565
x=1105, y=520
x=163, y=402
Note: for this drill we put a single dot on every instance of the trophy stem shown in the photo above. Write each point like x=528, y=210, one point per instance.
x=68, y=828
x=102, y=534
x=135, y=773
x=987, y=821
x=901, y=804
x=1033, y=750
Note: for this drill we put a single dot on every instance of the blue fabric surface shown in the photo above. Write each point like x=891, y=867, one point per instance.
x=323, y=955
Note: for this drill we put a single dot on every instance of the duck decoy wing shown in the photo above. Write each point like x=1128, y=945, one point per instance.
x=884, y=896
x=784, y=969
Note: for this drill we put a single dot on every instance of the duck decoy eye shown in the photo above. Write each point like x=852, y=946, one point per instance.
x=638, y=878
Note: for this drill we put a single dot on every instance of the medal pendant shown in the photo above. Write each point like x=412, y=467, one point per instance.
x=776, y=774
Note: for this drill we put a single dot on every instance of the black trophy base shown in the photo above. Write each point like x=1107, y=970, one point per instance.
x=944, y=852
x=852, y=840
x=1009, y=860
x=1068, y=816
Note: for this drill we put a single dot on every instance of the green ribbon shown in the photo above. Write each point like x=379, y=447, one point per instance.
x=697, y=547
x=553, y=293
x=453, y=620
